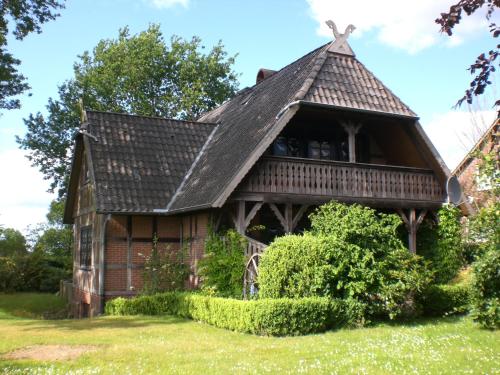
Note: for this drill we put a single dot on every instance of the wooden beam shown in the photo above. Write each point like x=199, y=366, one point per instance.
x=412, y=222
x=129, y=252
x=240, y=217
x=421, y=217
x=252, y=213
x=278, y=214
x=299, y=215
x=351, y=129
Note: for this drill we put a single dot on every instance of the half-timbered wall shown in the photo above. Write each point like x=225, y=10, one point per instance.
x=85, y=281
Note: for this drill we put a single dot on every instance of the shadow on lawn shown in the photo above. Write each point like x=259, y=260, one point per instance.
x=418, y=322
x=121, y=322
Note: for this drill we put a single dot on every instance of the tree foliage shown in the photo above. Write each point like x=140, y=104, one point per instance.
x=26, y=16
x=486, y=289
x=138, y=74
x=485, y=64
x=44, y=260
x=12, y=242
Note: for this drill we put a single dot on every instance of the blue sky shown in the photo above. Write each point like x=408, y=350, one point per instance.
x=400, y=45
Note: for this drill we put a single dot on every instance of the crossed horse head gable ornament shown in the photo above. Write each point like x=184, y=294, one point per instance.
x=340, y=45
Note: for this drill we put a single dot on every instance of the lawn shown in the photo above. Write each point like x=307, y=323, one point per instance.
x=147, y=345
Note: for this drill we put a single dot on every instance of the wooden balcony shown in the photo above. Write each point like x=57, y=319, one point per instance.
x=322, y=180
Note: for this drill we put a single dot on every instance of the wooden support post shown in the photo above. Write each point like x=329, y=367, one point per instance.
x=287, y=220
x=129, y=253
x=241, y=220
x=240, y=217
x=351, y=129
x=412, y=222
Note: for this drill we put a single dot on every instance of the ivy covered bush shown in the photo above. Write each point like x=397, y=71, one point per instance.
x=224, y=264
x=486, y=289
x=442, y=244
x=164, y=269
x=352, y=252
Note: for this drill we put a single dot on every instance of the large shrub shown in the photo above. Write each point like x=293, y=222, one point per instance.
x=352, y=252
x=441, y=300
x=441, y=244
x=486, y=289
x=277, y=317
x=224, y=263
x=358, y=225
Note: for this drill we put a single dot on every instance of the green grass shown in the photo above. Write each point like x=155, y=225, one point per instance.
x=148, y=345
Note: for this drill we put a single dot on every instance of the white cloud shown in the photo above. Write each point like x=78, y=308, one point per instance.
x=162, y=4
x=23, y=191
x=402, y=24
x=455, y=132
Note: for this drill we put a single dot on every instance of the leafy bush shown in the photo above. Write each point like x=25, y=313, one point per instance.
x=357, y=225
x=486, y=289
x=484, y=230
x=34, y=271
x=9, y=280
x=224, y=264
x=164, y=270
x=441, y=244
x=440, y=300
x=351, y=253
x=276, y=317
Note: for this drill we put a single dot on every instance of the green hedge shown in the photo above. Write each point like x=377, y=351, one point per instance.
x=439, y=300
x=274, y=317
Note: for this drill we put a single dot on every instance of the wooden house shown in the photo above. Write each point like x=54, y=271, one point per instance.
x=321, y=128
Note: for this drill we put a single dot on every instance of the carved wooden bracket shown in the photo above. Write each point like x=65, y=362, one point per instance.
x=287, y=220
x=412, y=222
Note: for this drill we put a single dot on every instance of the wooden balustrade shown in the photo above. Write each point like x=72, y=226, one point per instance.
x=254, y=247
x=282, y=175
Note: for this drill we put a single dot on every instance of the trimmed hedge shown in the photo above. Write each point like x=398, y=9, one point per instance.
x=274, y=317
x=439, y=300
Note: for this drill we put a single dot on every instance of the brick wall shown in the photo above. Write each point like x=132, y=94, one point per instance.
x=467, y=175
x=129, y=241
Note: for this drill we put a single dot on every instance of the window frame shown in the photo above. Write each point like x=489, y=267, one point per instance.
x=85, y=247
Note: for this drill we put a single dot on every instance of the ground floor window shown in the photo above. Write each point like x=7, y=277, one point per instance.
x=86, y=246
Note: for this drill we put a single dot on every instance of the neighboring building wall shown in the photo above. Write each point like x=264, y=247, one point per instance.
x=467, y=172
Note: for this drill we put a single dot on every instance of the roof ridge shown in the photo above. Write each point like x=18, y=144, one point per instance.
x=249, y=90
x=319, y=61
x=151, y=117
x=191, y=168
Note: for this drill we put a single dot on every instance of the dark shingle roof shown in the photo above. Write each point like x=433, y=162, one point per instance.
x=246, y=121
x=139, y=162
x=343, y=81
x=142, y=164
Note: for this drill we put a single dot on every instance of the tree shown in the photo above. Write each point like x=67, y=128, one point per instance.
x=12, y=242
x=485, y=62
x=54, y=239
x=26, y=16
x=137, y=74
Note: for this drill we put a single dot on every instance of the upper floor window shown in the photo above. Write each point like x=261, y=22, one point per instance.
x=86, y=246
